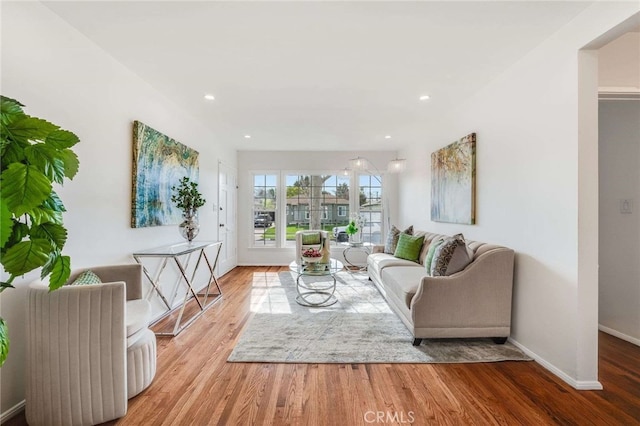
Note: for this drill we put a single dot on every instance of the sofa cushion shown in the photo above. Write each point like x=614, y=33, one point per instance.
x=392, y=238
x=409, y=247
x=138, y=315
x=88, y=277
x=376, y=262
x=451, y=256
x=403, y=282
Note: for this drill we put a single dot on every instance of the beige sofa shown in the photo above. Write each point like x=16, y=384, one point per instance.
x=475, y=302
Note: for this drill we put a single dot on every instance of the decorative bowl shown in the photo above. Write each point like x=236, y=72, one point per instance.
x=312, y=259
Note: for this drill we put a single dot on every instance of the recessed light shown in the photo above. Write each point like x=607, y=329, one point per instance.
x=209, y=97
x=247, y=136
x=425, y=97
x=387, y=137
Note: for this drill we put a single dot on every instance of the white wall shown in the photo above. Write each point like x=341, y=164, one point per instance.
x=61, y=76
x=619, y=64
x=326, y=161
x=528, y=190
x=619, y=276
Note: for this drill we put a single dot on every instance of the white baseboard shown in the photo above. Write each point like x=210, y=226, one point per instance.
x=577, y=384
x=16, y=409
x=619, y=335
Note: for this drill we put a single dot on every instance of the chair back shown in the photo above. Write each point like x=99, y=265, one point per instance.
x=318, y=240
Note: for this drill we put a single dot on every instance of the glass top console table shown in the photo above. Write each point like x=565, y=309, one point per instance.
x=181, y=254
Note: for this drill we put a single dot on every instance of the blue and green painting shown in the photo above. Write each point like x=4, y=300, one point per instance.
x=159, y=163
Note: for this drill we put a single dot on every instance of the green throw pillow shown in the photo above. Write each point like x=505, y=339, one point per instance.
x=392, y=238
x=429, y=258
x=88, y=277
x=409, y=247
x=311, y=238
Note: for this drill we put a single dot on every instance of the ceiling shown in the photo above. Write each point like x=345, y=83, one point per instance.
x=317, y=75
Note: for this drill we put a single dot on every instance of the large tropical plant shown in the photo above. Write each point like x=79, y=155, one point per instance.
x=35, y=155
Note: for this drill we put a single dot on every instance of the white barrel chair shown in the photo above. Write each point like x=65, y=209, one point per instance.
x=89, y=348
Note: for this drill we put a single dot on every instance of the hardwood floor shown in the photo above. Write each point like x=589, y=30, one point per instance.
x=195, y=385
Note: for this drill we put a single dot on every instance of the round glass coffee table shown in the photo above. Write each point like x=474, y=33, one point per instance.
x=312, y=292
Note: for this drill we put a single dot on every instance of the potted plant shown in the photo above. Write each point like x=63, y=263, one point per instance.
x=188, y=199
x=35, y=155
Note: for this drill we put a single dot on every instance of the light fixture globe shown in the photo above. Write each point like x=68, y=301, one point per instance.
x=396, y=166
x=359, y=163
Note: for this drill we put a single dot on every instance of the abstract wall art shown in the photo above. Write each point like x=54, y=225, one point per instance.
x=159, y=163
x=453, y=182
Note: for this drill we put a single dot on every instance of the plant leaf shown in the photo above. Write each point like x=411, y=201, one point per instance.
x=24, y=187
x=26, y=256
x=10, y=110
x=53, y=202
x=61, y=139
x=4, y=285
x=13, y=151
x=41, y=214
x=6, y=224
x=19, y=231
x=55, y=233
x=60, y=272
x=31, y=128
x=47, y=159
x=4, y=341
x=71, y=163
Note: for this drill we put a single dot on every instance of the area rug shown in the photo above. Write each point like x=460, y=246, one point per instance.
x=359, y=328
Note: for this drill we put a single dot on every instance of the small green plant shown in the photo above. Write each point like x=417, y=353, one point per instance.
x=186, y=196
x=352, y=228
x=35, y=155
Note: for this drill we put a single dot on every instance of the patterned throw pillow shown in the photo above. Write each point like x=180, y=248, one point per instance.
x=409, y=247
x=311, y=238
x=432, y=250
x=392, y=238
x=451, y=256
x=88, y=277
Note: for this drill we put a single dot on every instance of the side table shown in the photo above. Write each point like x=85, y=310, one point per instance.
x=193, y=291
x=350, y=248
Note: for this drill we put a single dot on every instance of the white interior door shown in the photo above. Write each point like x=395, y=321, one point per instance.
x=227, y=229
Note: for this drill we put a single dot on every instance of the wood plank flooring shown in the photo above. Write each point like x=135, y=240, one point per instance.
x=195, y=385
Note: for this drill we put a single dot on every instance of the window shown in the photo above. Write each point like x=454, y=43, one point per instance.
x=370, y=207
x=284, y=203
x=264, y=210
x=316, y=202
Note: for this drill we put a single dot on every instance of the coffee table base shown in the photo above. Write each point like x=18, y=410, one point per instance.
x=316, y=294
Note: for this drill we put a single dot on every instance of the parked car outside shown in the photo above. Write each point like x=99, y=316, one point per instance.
x=262, y=221
x=370, y=233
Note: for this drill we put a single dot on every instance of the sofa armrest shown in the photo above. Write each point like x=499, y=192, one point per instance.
x=478, y=296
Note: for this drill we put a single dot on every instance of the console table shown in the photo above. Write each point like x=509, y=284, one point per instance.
x=181, y=254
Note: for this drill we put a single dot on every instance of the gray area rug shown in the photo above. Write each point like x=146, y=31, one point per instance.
x=359, y=328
